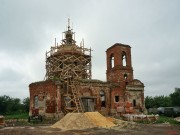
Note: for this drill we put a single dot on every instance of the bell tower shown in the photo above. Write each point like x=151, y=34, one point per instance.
x=119, y=65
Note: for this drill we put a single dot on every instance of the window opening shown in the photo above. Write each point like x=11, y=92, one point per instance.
x=125, y=76
x=112, y=61
x=124, y=59
x=103, y=99
x=134, y=102
x=67, y=102
x=116, y=98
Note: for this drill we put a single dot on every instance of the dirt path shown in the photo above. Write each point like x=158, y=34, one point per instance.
x=140, y=129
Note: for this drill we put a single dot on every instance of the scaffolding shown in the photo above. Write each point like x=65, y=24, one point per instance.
x=68, y=63
x=61, y=60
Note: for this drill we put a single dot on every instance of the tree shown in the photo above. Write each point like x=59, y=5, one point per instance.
x=16, y=105
x=26, y=102
x=162, y=101
x=157, y=101
x=10, y=105
x=149, y=102
x=175, y=97
x=4, y=104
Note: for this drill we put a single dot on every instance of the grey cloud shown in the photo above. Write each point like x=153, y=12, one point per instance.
x=9, y=75
x=151, y=28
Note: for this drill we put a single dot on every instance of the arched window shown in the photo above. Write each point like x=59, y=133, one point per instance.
x=112, y=61
x=125, y=76
x=103, y=98
x=124, y=59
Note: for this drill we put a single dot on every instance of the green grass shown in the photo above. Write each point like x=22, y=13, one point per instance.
x=162, y=119
x=165, y=119
x=17, y=116
x=19, y=119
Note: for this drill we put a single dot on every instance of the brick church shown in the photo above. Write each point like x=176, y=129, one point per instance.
x=68, y=85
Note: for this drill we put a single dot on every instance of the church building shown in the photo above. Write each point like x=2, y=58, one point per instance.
x=68, y=85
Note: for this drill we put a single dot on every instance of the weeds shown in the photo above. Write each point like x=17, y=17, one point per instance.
x=162, y=119
x=165, y=119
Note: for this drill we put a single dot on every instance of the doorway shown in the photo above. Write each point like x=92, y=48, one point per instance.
x=88, y=104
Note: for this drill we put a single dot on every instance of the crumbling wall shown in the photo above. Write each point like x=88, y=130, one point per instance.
x=45, y=92
x=137, y=97
x=116, y=92
x=92, y=88
x=135, y=94
x=120, y=71
x=115, y=68
x=51, y=100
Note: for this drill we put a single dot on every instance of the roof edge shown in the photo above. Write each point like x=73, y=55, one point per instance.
x=118, y=44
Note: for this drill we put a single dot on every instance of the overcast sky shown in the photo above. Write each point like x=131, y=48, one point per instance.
x=150, y=27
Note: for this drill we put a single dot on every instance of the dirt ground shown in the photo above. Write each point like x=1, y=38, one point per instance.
x=140, y=129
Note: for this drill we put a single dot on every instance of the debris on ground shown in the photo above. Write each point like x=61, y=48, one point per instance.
x=73, y=121
x=122, y=124
x=2, y=121
x=140, y=117
x=177, y=119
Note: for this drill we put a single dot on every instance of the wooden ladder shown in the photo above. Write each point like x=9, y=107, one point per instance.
x=76, y=97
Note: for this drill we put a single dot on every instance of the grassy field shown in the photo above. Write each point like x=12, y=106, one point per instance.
x=21, y=116
x=162, y=119
x=165, y=119
x=17, y=116
x=21, y=119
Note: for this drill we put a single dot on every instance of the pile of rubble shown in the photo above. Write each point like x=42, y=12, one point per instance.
x=74, y=121
x=2, y=121
x=177, y=119
x=140, y=117
x=122, y=124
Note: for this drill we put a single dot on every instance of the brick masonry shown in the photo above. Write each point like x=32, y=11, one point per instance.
x=120, y=90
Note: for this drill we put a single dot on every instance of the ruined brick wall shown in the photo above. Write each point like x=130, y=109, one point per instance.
x=120, y=71
x=50, y=96
x=117, y=91
x=93, y=89
x=117, y=73
x=46, y=93
x=135, y=91
x=135, y=95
